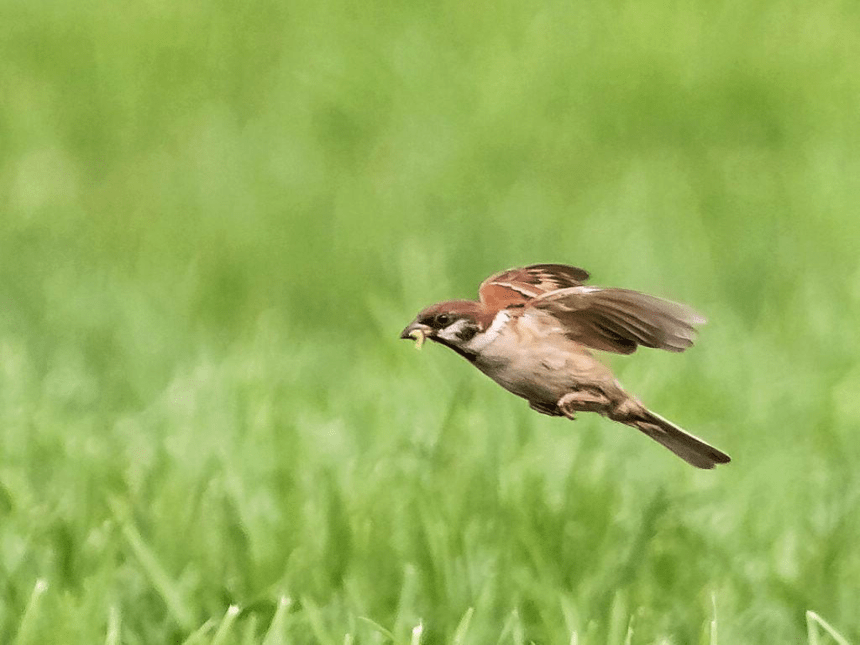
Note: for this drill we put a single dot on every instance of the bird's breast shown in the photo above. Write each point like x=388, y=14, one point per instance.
x=535, y=360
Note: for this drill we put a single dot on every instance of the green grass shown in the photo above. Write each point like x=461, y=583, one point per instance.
x=216, y=217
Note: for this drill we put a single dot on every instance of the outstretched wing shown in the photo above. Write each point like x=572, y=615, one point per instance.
x=619, y=320
x=516, y=286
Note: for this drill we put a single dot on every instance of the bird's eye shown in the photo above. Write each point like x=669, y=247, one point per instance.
x=442, y=320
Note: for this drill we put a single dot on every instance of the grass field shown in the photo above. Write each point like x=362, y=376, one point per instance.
x=215, y=218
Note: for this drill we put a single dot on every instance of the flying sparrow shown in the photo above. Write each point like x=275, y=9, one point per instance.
x=533, y=330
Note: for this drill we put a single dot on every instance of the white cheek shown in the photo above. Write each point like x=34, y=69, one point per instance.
x=480, y=341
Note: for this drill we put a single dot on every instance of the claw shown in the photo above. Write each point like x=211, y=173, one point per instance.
x=419, y=337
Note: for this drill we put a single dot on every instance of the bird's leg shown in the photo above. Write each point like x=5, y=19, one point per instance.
x=583, y=400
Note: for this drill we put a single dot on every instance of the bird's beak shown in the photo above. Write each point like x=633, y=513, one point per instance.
x=417, y=332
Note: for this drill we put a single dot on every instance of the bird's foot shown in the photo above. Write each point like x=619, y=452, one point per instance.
x=585, y=400
x=543, y=408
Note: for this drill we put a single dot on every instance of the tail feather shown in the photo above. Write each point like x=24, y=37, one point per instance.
x=687, y=446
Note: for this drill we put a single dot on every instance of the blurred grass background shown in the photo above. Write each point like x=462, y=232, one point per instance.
x=216, y=217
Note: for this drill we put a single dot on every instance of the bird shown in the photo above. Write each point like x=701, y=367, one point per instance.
x=534, y=330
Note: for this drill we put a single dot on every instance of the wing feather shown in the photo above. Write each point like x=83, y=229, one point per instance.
x=519, y=285
x=619, y=320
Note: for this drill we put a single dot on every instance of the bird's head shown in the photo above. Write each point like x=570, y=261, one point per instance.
x=454, y=323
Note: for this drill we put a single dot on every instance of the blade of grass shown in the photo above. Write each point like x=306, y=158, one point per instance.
x=416, y=634
x=275, y=635
x=197, y=635
x=617, y=618
x=28, y=620
x=113, y=629
x=377, y=627
x=812, y=619
x=463, y=627
x=249, y=629
x=513, y=629
x=170, y=592
x=226, y=625
x=628, y=638
x=408, y=590
x=713, y=640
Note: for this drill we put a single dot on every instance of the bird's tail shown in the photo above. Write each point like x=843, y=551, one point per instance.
x=688, y=447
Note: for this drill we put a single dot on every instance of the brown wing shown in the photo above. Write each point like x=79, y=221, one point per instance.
x=518, y=285
x=619, y=320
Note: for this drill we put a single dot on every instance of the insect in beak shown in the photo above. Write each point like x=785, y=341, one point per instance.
x=419, y=337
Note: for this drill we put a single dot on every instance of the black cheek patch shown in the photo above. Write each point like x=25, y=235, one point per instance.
x=467, y=334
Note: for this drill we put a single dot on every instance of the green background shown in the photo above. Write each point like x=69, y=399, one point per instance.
x=215, y=218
